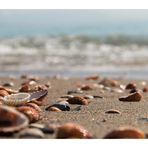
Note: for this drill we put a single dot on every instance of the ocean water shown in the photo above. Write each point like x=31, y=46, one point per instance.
x=74, y=43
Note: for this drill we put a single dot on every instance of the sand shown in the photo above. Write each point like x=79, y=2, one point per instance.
x=92, y=116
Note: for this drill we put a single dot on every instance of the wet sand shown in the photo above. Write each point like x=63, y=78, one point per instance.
x=92, y=116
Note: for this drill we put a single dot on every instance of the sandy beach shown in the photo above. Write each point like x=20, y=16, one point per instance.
x=93, y=117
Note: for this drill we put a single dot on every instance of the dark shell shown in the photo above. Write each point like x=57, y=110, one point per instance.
x=134, y=97
x=125, y=133
x=131, y=86
x=62, y=106
x=11, y=120
x=71, y=130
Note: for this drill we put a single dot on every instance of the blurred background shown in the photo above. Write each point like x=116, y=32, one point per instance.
x=74, y=42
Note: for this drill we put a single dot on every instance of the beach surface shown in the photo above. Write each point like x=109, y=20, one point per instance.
x=92, y=117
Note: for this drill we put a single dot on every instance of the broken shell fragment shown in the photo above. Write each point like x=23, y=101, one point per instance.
x=71, y=130
x=134, y=97
x=113, y=111
x=11, y=120
x=31, y=133
x=125, y=133
x=78, y=100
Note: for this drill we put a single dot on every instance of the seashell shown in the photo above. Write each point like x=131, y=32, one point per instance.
x=131, y=86
x=71, y=130
x=11, y=120
x=108, y=82
x=61, y=106
x=117, y=90
x=23, y=76
x=44, y=128
x=132, y=97
x=55, y=109
x=16, y=99
x=143, y=83
x=92, y=78
x=35, y=106
x=9, y=84
x=113, y=111
x=78, y=100
x=122, y=87
x=34, y=78
x=125, y=133
x=3, y=93
x=89, y=97
x=86, y=87
x=75, y=91
x=30, y=112
x=31, y=133
x=67, y=96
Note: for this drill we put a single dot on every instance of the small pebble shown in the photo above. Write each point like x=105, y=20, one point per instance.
x=108, y=82
x=31, y=133
x=125, y=133
x=135, y=97
x=86, y=87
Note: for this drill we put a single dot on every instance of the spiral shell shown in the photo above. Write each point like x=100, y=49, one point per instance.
x=71, y=130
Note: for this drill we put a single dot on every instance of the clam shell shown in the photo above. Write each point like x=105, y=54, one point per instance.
x=16, y=99
x=11, y=120
x=134, y=97
x=113, y=111
x=71, y=130
x=125, y=133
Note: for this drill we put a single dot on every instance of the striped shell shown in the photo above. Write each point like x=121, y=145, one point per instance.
x=22, y=98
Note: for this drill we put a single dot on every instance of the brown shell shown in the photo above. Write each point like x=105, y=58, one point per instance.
x=10, y=91
x=145, y=89
x=24, y=88
x=3, y=93
x=113, y=111
x=35, y=106
x=71, y=130
x=78, y=100
x=135, y=97
x=30, y=112
x=125, y=133
x=11, y=120
x=131, y=86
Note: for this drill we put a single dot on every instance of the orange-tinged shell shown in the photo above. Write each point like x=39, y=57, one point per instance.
x=86, y=87
x=10, y=91
x=134, y=97
x=30, y=112
x=3, y=93
x=11, y=120
x=71, y=130
x=78, y=100
x=35, y=106
x=125, y=133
